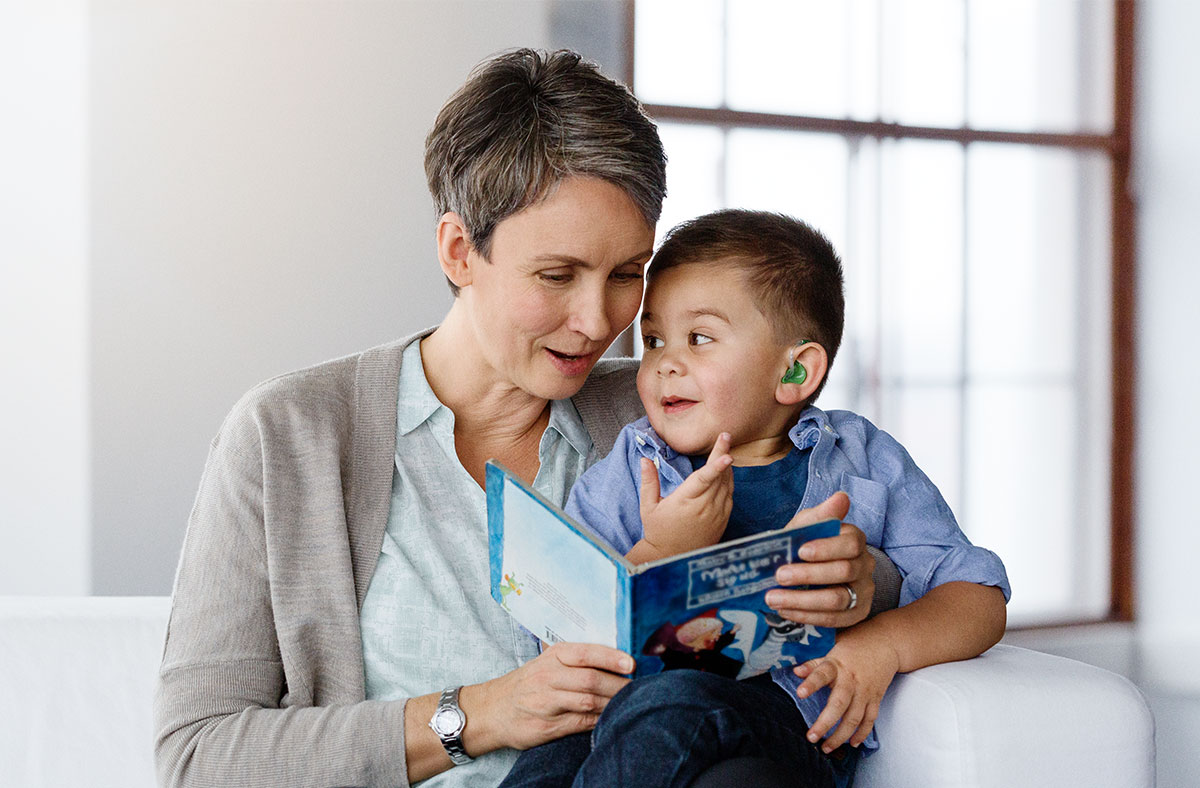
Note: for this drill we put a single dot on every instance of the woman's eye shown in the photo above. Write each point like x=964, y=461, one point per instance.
x=699, y=339
x=651, y=342
x=626, y=277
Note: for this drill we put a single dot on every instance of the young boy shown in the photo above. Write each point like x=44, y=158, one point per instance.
x=742, y=319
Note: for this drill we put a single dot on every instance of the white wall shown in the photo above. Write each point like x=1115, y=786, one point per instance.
x=205, y=194
x=44, y=477
x=259, y=205
x=1167, y=182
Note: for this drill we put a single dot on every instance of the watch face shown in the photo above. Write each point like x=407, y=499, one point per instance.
x=447, y=722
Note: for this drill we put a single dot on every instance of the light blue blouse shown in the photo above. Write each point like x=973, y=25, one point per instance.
x=428, y=619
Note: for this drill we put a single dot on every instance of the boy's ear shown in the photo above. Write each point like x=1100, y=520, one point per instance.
x=454, y=249
x=812, y=358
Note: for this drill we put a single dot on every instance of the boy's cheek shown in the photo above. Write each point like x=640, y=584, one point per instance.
x=647, y=390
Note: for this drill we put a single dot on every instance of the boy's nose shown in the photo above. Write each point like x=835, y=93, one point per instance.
x=669, y=364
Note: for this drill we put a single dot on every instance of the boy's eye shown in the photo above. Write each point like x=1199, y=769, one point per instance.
x=651, y=342
x=698, y=339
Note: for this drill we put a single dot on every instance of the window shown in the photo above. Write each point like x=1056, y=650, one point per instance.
x=967, y=158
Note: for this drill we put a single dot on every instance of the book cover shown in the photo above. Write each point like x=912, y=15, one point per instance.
x=704, y=609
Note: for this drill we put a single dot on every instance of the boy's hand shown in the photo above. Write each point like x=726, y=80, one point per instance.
x=696, y=514
x=952, y=621
x=859, y=672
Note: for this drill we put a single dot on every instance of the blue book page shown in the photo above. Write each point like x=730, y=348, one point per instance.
x=706, y=610
x=546, y=573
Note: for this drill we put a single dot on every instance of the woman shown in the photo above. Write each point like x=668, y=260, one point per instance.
x=334, y=577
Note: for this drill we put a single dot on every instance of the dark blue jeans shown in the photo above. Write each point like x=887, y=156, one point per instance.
x=671, y=728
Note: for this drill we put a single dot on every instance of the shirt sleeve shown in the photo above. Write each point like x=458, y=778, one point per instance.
x=904, y=514
x=605, y=497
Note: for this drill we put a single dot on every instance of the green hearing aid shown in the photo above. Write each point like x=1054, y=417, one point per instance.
x=797, y=374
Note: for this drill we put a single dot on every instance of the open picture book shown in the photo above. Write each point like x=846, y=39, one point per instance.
x=704, y=609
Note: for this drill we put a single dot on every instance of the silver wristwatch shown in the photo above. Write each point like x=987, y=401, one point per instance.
x=448, y=723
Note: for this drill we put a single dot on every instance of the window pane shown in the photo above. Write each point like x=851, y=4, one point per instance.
x=857, y=365
x=678, y=49
x=790, y=56
x=921, y=249
x=927, y=420
x=695, y=154
x=838, y=393
x=1021, y=497
x=977, y=276
x=1040, y=65
x=803, y=175
x=922, y=44
x=1032, y=241
x=865, y=55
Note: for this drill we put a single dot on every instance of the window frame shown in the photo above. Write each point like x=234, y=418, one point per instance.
x=1117, y=147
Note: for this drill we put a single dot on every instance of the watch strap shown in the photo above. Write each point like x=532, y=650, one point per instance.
x=452, y=743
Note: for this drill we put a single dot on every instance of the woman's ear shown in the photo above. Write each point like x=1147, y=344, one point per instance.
x=803, y=368
x=454, y=249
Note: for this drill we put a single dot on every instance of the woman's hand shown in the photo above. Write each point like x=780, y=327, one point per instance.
x=859, y=672
x=694, y=515
x=559, y=692
x=836, y=562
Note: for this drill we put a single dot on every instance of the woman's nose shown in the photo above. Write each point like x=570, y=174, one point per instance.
x=590, y=316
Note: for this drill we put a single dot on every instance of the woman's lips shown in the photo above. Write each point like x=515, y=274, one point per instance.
x=570, y=365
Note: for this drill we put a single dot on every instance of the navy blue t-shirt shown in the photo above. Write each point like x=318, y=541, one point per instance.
x=765, y=496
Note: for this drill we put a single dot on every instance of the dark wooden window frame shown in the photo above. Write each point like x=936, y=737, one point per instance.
x=1117, y=147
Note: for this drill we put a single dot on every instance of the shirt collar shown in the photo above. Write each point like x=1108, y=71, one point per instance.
x=812, y=422
x=566, y=421
x=416, y=402
x=648, y=441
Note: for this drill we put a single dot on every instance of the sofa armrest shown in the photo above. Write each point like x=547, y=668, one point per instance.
x=1012, y=717
x=77, y=677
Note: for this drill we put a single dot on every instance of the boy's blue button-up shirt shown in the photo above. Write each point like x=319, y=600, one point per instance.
x=899, y=510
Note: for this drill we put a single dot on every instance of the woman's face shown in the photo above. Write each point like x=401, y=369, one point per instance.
x=564, y=278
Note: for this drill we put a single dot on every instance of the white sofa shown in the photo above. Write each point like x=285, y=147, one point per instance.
x=77, y=677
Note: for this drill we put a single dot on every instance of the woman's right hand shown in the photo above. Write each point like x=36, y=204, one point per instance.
x=559, y=692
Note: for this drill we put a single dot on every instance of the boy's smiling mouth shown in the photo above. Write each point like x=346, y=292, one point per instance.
x=676, y=404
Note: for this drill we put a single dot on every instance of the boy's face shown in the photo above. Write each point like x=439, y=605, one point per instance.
x=711, y=364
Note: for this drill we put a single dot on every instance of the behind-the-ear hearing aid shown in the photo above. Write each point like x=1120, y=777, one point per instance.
x=797, y=373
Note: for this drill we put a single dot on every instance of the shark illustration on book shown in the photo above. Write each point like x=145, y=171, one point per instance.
x=769, y=651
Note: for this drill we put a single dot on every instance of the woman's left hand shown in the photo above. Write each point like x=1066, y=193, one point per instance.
x=835, y=562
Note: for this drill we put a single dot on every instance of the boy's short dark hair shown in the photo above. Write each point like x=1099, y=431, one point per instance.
x=792, y=269
x=523, y=122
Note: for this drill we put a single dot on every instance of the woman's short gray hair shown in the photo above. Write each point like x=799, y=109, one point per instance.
x=523, y=122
